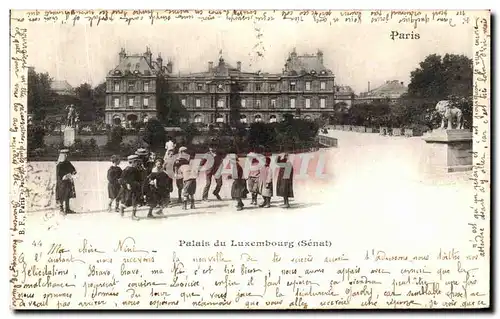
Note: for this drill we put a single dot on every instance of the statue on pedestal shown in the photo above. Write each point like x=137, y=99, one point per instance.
x=70, y=118
x=449, y=148
x=449, y=114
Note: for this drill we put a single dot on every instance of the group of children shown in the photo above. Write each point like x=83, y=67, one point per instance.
x=148, y=181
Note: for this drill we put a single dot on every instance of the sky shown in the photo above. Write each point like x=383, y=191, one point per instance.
x=356, y=53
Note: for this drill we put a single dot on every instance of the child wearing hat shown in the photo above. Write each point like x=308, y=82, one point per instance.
x=65, y=187
x=131, y=186
x=114, y=174
x=160, y=185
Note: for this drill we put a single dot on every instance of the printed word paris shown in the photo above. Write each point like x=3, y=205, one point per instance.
x=395, y=35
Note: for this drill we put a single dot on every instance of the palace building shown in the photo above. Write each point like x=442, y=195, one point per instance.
x=221, y=92
x=131, y=88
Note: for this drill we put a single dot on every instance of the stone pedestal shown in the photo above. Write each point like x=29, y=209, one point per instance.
x=449, y=150
x=69, y=136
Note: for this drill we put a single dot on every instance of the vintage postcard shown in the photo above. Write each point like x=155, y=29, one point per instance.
x=246, y=159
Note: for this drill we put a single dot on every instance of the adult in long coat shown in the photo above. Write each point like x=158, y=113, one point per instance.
x=266, y=183
x=239, y=188
x=65, y=187
x=284, y=183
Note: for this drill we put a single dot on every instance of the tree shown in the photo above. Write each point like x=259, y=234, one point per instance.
x=261, y=134
x=36, y=134
x=190, y=131
x=99, y=100
x=85, y=104
x=340, y=111
x=169, y=107
x=115, y=138
x=40, y=96
x=378, y=114
x=91, y=102
x=437, y=78
x=154, y=135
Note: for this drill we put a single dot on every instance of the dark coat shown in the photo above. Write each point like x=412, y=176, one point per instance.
x=114, y=174
x=284, y=183
x=132, y=176
x=149, y=167
x=143, y=175
x=239, y=187
x=65, y=189
x=158, y=193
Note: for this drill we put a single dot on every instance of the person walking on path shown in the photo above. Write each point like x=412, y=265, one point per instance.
x=168, y=167
x=239, y=188
x=160, y=187
x=189, y=173
x=284, y=183
x=213, y=171
x=142, y=167
x=131, y=181
x=65, y=186
x=266, y=184
x=253, y=178
x=181, y=159
x=114, y=174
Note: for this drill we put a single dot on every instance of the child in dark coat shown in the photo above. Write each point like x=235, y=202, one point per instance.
x=114, y=174
x=160, y=186
x=131, y=182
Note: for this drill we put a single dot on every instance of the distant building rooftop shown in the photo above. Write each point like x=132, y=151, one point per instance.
x=62, y=87
x=307, y=63
x=390, y=89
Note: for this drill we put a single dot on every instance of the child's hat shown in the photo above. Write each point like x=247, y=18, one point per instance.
x=132, y=158
x=141, y=152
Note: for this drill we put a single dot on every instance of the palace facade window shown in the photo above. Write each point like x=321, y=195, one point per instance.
x=308, y=103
